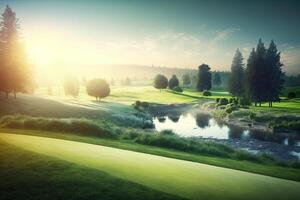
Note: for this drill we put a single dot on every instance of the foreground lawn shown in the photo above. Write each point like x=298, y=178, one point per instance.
x=29, y=176
x=264, y=169
x=181, y=178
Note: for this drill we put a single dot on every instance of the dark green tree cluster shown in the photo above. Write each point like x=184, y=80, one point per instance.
x=173, y=82
x=264, y=74
x=15, y=71
x=204, y=78
x=262, y=80
x=71, y=86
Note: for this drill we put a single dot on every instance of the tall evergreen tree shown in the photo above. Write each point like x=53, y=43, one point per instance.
x=264, y=74
x=204, y=78
x=236, y=79
x=217, y=80
x=274, y=76
x=15, y=70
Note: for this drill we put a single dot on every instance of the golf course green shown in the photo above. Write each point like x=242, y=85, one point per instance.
x=181, y=178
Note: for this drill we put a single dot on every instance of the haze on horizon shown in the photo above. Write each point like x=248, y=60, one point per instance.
x=62, y=35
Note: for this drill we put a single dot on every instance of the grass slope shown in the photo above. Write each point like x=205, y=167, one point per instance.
x=182, y=178
x=30, y=176
x=264, y=169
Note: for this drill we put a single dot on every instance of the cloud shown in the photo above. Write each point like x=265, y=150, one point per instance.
x=291, y=59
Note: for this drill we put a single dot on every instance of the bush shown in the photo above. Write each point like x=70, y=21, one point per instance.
x=291, y=95
x=223, y=102
x=230, y=108
x=217, y=100
x=206, y=93
x=178, y=89
x=167, y=132
x=82, y=126
x=234, y=101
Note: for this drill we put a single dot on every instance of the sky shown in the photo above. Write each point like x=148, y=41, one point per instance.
x=187, y=33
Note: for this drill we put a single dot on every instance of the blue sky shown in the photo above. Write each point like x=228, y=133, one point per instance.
x=162, y=33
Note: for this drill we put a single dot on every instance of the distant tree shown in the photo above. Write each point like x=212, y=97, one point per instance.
x=15, y=71
x=186, y=79
x=236, y=78
x=71, y=86
x=173, y=82
x=98, y=88
x=204, y=78
x=217, y=80
x=160, y=82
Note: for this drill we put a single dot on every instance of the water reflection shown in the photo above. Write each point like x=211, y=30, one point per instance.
x=203, y=125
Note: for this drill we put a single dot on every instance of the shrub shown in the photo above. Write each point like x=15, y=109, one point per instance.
x=206, y=93
x=291, y=95
x=144, y=104
x=167, y=132
x=230, y=108
x=217, y=100
x=234, y=100
x=178, y=89
x=223, y=101
x=82, y=126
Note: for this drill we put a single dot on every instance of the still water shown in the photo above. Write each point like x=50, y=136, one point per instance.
x=205, y=126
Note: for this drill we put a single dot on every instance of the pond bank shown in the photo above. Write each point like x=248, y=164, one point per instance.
x=234, y=132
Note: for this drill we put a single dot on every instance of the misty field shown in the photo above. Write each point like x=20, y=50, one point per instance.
x=187, y=179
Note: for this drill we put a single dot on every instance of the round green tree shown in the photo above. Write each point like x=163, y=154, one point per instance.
x=98, y=88
x=160, y=82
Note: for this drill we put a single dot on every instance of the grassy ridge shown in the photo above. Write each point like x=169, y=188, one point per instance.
x=26, y=175
x=185, y=179
x=270, y=170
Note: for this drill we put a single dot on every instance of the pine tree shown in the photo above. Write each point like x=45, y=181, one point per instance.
x=236, y=79
x=15, y=70
x=204, y=78
x=274, y=76
x=257, y=74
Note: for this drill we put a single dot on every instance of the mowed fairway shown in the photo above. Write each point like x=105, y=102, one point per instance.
x=181, y=178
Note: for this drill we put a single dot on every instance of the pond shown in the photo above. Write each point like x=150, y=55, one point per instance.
x=205, y=126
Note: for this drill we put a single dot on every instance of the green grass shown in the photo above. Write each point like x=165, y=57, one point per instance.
x=266, y=169
x=30, y=176
x=177, y=177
